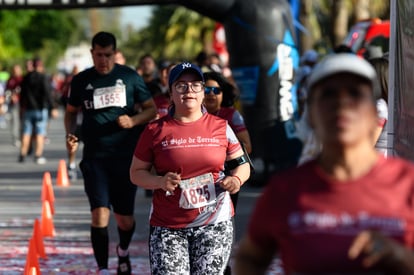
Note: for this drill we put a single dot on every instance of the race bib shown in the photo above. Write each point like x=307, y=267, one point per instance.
x=198, y=191
x=114, y=96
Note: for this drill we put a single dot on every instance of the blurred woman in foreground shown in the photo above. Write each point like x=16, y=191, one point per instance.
x=349, y=211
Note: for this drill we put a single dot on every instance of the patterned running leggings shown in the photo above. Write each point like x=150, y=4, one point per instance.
x=195, y=251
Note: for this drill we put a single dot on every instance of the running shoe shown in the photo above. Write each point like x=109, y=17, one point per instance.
x=21, y=159
x=124, y=264
x=40, y=160
x=72, y=173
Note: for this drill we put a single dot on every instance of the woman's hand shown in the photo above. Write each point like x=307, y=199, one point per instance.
x=170, y=181
x=377, y=249
x=231, y=184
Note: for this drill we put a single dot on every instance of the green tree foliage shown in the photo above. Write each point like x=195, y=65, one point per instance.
x=27, y=33
x=53, y=31
x=173, y=33
x=187, y=42
x=11, y=40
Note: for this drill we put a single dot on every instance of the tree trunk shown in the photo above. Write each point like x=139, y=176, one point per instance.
x=340, y=22
x=361, y=10
x=306, y=39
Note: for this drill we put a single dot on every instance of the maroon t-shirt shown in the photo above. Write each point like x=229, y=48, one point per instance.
x=197, y=151
x=312, y=219
x=234, y=118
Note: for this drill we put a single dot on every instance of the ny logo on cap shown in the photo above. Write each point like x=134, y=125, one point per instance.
x=186, y=65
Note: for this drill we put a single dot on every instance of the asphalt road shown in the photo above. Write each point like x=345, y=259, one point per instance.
x=68, y=252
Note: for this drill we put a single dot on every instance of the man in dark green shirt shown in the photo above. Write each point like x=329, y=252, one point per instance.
x=116, y=105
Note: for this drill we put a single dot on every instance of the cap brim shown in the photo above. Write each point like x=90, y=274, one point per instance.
x=177, y=76
x=341, y=63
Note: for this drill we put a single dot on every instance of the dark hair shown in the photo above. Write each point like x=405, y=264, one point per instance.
x=164, y=64
x=380, y=65
x=37, y=62
x=342, y=48
x=228, y=90
x=104, y=39
x=201, y=58
x=147, y=55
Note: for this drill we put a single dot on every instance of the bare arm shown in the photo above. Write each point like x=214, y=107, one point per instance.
x=70, y=126
x=252, y=259
x=239, y=175
x=71, y=113
x=244, y=138
x=140, y=174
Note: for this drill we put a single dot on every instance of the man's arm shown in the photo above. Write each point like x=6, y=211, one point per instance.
x=71, y=113
x=148, y=113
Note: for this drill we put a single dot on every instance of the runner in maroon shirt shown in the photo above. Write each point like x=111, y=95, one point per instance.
x=350, y=211
x=219, y=100
x=191, y=229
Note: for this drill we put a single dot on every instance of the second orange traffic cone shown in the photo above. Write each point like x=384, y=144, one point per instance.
x=48, y=229
x=37, y=236
x=47, y=191
x=62, y=174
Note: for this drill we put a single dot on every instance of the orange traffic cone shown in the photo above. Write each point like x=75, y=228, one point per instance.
x=62, y=174
x=48, y=229
x=32, y=262
x=37, y=236
x=47, y=191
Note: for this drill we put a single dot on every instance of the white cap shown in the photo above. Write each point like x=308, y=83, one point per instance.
x=341, y=63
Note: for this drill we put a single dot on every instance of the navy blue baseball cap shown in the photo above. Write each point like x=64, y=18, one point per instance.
x=179, y=69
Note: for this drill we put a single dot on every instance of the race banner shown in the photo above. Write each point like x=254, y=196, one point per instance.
x=68, y=4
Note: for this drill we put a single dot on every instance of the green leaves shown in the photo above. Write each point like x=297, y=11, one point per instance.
x=27, y=33
x=173, y=33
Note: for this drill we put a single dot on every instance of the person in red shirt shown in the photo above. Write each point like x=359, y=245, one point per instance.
x=191, y=229
x=350, y=210
x=219, y=100
x=13, y=85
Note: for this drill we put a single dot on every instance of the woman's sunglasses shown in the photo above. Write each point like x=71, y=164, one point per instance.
x=215, y=90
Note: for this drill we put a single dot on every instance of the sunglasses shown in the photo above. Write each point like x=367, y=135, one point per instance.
x=215, y=90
